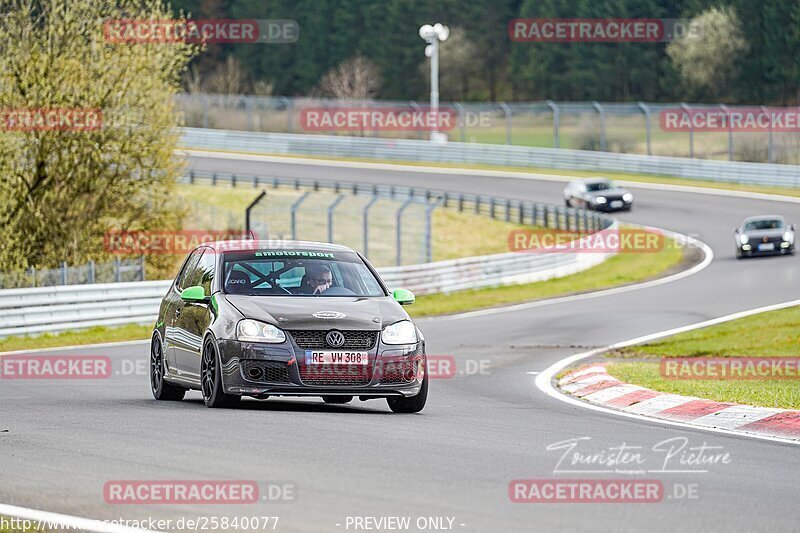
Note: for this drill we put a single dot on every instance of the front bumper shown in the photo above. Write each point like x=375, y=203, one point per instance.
x=606, y=207
x=753, y=251
x=258, y=370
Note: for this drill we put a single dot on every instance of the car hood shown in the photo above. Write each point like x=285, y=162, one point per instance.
x=297, y=312
x=606, y=192
x=760, y=233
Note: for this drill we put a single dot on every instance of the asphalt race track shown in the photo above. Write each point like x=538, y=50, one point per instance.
x=479, y=431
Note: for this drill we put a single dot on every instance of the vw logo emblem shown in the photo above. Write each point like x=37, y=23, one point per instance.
x=328, y=315
x=334, y=338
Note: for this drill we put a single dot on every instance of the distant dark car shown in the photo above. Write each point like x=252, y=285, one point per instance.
x=244, y=318
x=598, y=194
x=764, y=235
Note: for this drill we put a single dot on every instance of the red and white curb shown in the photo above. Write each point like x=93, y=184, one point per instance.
x=593, y=384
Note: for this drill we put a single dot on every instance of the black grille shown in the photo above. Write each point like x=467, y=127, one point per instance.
x=353, y=340
x=336, y=375
x=264, y=371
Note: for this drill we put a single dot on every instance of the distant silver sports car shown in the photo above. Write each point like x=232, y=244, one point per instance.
x=764, y=235
x=598, y=194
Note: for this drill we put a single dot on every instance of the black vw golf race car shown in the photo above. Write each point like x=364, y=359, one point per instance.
x=245, y=318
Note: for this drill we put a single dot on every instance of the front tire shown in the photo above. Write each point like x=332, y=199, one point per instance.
x=162, y=390
x=414, y=404
x=211, y=379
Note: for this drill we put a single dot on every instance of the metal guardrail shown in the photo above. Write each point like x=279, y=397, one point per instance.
x=510, y=210
x=614, y=126
x=488, y=271
x=117, y=271
x=491, y=154
x=56, y=309
x=62, y=308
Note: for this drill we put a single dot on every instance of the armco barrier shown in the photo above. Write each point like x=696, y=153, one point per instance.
x=491, y=154
x=55, y=309
x=62, y=308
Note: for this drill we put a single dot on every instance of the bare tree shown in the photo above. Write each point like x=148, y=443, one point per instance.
x=229, y=78
x=706, y=55
x=459, y=67
x=356, y=78
x=263, y=88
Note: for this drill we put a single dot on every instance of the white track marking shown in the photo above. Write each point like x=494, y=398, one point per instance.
x=707, y=259
x=612, y=393
x=736, y=416
x=572, y=387
x=589, y=370
x=660, y=403
x=591, y=380
x=78, y=347
x=545, y=378
x=698, y=189
x=59, y=521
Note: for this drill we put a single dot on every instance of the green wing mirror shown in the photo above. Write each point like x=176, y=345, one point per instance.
x=194, y=294
x=403, y=296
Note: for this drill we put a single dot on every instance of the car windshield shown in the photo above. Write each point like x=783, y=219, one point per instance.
x=772, y=223
x=298, y=273
x=599, y=186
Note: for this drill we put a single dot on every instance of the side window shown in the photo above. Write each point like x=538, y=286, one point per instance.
x=189, y=269
x=204, y=274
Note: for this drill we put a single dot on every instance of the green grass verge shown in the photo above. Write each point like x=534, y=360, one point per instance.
x=621, y=269
x=454, y=234
x=75, y=338
x=767, y=393
x=772, y=334
x=622, y=176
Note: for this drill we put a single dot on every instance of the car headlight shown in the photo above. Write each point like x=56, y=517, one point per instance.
x=402, y=332
x=255, y=331
x=599, y=200
x=788, y=236
x=744, y=239
x=627, y=197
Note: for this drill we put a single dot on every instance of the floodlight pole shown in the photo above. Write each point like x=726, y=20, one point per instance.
x=433, y=35
x=435, y=86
